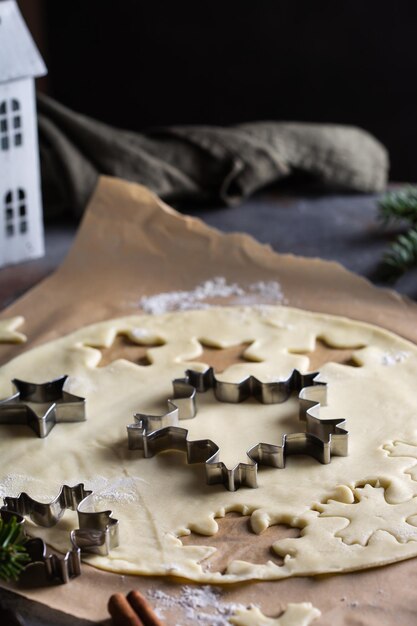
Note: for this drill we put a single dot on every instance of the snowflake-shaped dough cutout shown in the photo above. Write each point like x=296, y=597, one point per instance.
x=371, y=512
x=404, y=449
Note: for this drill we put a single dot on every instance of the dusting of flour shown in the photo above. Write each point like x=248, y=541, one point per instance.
x=392, y=358
x=113, y=491
x=200, y=605
x=265, y=292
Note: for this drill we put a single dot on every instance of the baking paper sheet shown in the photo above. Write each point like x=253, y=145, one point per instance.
x=131, y=244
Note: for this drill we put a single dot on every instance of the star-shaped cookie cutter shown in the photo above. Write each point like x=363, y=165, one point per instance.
x=321, y=439
x=98, y=531
x=41, y=405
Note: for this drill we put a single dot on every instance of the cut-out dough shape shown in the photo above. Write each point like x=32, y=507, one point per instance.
x=300, y=614
x=403, y=449
x=8, y=332
x=159, y=500
x=370, y=512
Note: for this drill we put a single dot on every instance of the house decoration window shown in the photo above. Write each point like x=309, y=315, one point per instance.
x=10, y=124
x=15, y=213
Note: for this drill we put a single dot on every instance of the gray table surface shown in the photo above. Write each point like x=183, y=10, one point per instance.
x=343, y=228
x=340, y=228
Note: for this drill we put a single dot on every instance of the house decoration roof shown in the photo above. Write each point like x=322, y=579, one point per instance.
x=19, y=56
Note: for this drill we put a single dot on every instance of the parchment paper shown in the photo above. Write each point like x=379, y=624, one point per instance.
x=131, y=244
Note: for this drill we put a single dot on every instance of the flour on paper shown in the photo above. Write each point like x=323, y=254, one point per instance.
x=8, y=332
x=205, y=605
x=358, y=511
x=202, y=604
x=214, y=289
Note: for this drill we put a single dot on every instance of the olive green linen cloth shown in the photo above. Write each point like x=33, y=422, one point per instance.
x=199, y=163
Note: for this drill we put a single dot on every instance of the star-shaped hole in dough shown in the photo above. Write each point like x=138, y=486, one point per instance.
x=8, y=332
x=220, y=358
x=129, y=346
x=235, y=540
x=370, y=512
x=324, y=352
x=255, y=357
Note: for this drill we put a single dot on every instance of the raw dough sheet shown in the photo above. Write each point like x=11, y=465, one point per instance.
x=358, y=511
x=99, y=281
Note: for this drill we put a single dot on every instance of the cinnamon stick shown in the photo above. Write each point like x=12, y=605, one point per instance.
x=122, y=612
x=143, y=609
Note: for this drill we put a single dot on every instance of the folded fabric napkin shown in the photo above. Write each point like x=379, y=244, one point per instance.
x=199, y=163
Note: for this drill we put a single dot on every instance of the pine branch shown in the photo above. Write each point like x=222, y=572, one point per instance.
x=13, y=554
x=402, y=254
x=399, y=205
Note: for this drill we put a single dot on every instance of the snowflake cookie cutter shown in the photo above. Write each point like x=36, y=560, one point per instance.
x=41, y=405
x=322, y=438
x=98, y=531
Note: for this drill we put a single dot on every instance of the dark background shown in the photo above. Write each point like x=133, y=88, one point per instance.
x=137, y=64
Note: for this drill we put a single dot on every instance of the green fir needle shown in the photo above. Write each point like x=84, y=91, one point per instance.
x=400, y=206
x=13, y=554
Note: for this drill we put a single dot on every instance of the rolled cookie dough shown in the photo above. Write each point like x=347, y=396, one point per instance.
x=359, y=511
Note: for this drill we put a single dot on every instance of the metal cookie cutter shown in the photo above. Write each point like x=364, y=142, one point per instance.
x=41, y=405
x=98, y=532
x=321, y=439
x=61, y=568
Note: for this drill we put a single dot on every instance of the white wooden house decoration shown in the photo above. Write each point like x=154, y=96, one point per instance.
x=21, y=226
